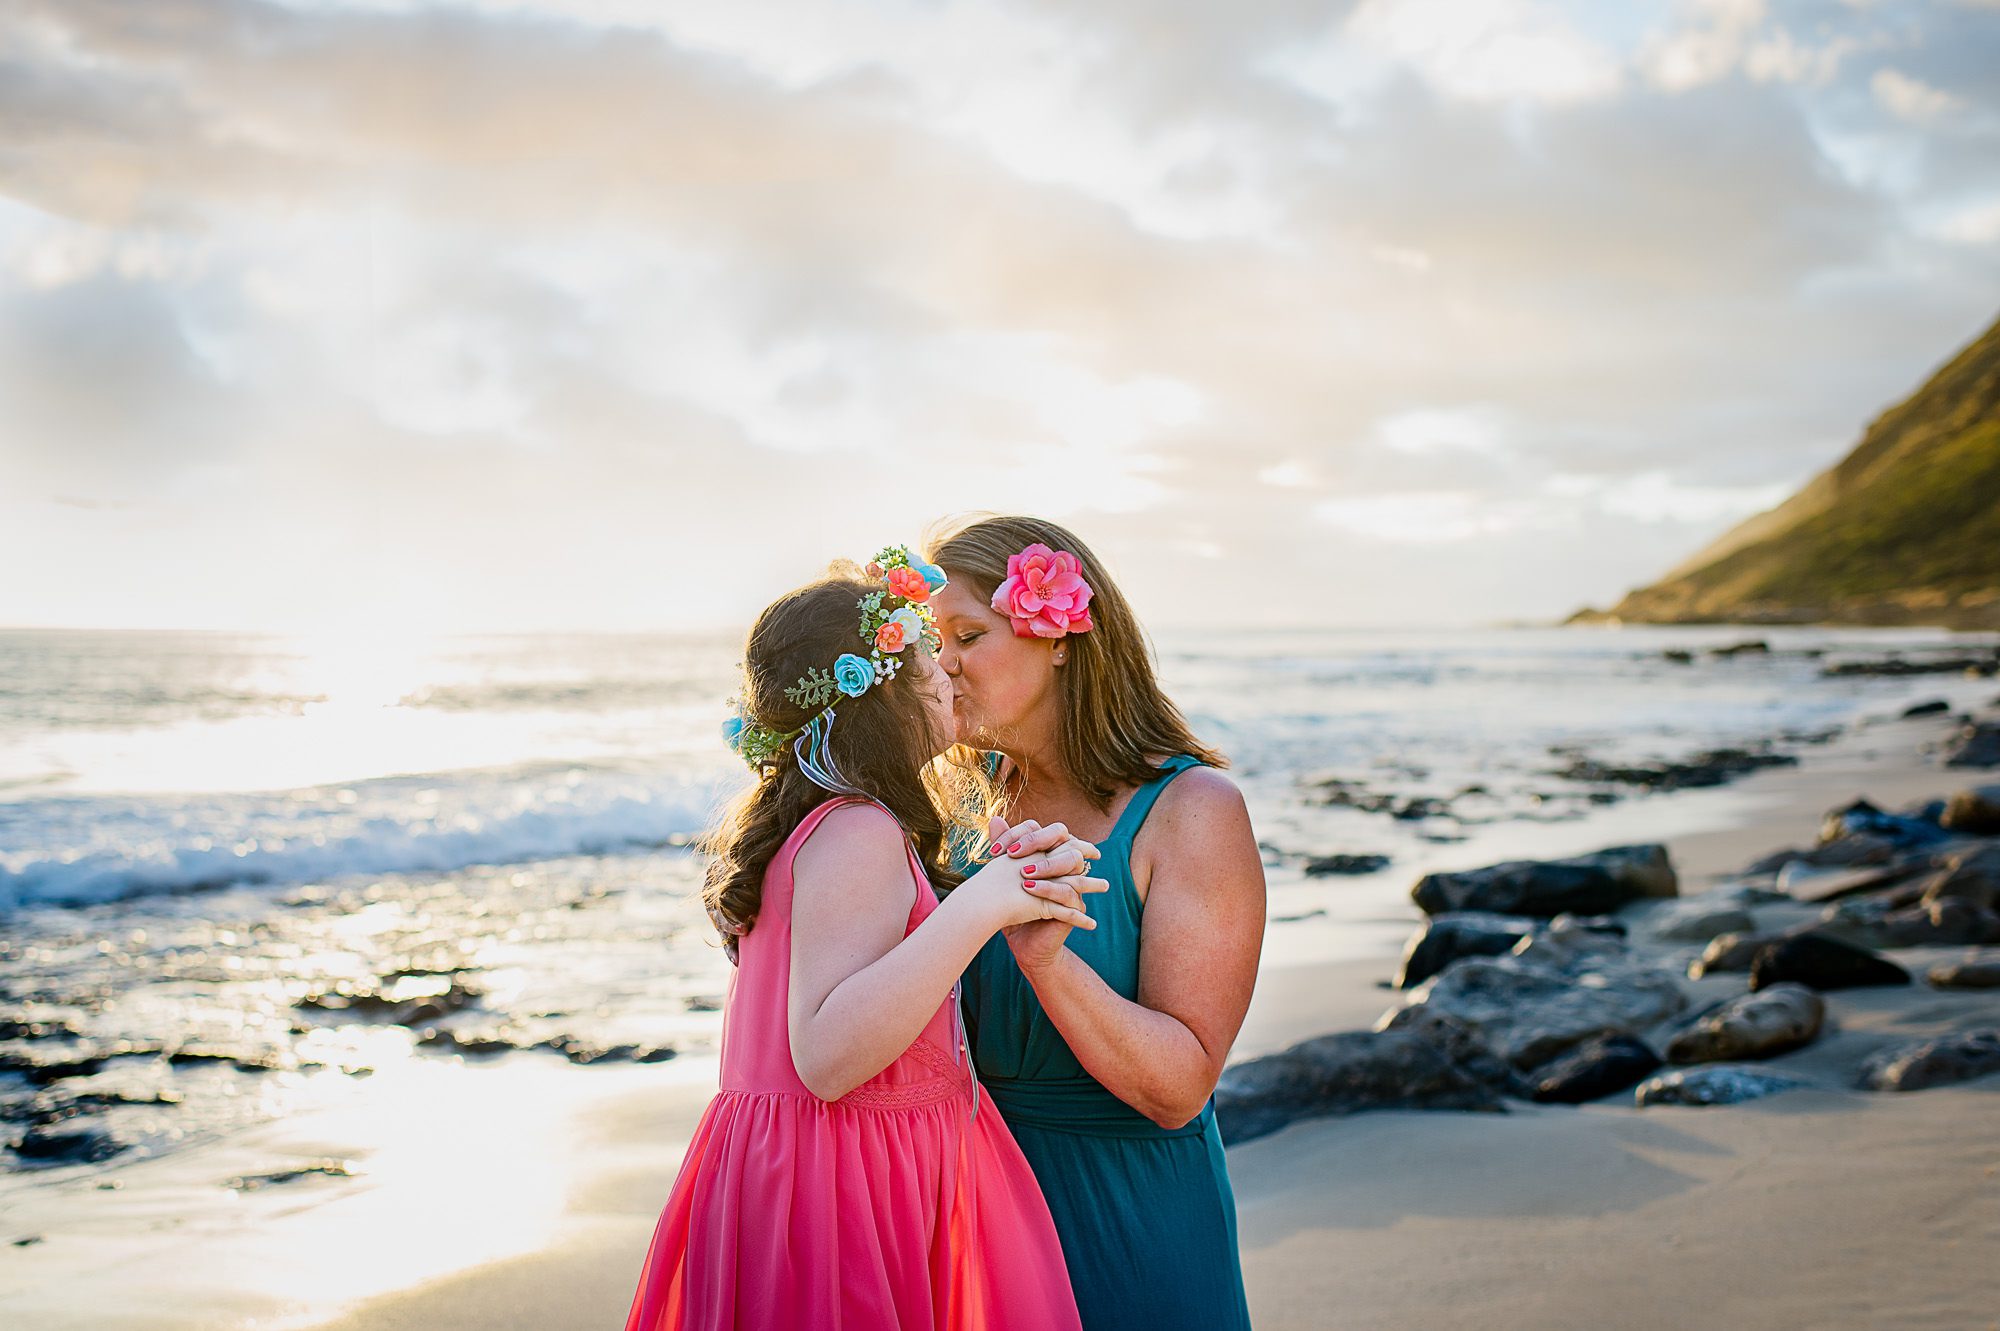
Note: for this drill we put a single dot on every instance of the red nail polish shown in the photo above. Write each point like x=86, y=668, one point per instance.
x=1011, y=849
x=1028, y=872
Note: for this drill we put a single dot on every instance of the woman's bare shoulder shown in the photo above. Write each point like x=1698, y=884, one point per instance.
x=1200, y=792
x=1202, y=809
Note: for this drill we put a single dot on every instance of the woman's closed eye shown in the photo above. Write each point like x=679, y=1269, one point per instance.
x=967, y=639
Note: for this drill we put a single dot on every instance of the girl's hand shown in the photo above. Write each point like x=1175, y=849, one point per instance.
x=1038, y=943
x=1011, y=897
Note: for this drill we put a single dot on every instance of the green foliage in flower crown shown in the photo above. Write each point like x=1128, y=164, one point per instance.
x=759, y=745
x=816, y=690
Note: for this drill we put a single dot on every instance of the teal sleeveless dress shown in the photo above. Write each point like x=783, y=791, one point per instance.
x=1146, y=1215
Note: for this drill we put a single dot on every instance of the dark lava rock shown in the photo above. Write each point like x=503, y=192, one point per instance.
x=1935, y=707
x=1851, y=852
x=1595, y=1069
x=1712, y=1084
x=376, y=1003
x=1698, y=920
x=1822, y=963
x=1754, y=647
x=1714, y=767
x=24, y=1028
x=1862, y=818
x=67, y=1146
x=1583, y=885
x=1773, y=862
x=1977, y=745
x=42, y=1066
x=1975, y=810
x=1803, y=882
x=1729, y=953
x=1446, y=938
x=1976, y=972
x=1971, y=876
x=41, y=1069
x=1940, y=1062
x=1944, y=922
x=1678, y=655
x=1461, y=1044
x=53, y=1106
x=1597, y=924
x=1764, y=1024
x=1344, y=1073
x=582, y=1052
x=1340, y=793
x=1929, y=665
x=1322, y=865
x=1535, y=1005
x=241, y=1061
x=451, y=1042
x=327, y=1168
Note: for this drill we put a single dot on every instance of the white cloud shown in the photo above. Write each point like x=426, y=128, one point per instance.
x=1719, y=38
x=1427, y=517
x=1489, y=50
x=1972, y=224
x=1706, y=50
x=1288, y=475
x=1655, y=496
x=1913, y=99
x=1434, y=430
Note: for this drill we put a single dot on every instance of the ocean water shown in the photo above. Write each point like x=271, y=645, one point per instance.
x=211, y=844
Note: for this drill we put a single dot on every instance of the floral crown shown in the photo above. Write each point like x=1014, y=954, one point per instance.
x=890, y=621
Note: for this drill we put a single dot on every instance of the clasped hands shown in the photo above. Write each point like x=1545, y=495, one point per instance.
x=1049, y=865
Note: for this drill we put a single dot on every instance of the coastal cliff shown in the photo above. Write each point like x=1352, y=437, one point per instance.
x=1903, y=530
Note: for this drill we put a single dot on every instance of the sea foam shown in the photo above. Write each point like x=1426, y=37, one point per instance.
x=79, y=850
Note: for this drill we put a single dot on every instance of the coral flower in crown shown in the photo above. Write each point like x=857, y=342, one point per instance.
x=909, y=584
x=1044, y=594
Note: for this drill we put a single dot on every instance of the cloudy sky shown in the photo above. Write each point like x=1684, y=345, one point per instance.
x=619, y=313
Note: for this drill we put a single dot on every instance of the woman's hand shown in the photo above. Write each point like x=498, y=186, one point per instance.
x=1043, y=853
x=1049, y=851
x=1049, y=891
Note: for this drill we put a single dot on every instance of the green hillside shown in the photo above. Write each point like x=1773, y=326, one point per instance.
x=1904, y=530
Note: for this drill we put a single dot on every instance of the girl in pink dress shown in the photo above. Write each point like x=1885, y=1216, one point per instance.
x=847, y=1174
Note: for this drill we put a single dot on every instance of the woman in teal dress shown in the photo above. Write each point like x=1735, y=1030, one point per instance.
x=1101, y=1048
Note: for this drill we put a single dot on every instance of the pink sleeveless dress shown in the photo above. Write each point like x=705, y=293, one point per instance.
x=904, y=1204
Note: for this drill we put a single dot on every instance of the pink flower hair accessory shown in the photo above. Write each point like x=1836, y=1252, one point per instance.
x=1044, y=594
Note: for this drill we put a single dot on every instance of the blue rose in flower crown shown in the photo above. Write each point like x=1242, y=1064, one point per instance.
x=853, y=674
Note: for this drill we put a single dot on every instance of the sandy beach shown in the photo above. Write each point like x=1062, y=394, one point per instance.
x=497, y=1206
x=1822, y=1208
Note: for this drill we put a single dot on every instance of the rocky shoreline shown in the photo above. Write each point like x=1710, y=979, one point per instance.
x=1576, y=980
x=124, y=1038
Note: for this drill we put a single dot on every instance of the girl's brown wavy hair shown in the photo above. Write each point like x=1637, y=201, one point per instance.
x=880, y=742
x=1115, y=718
